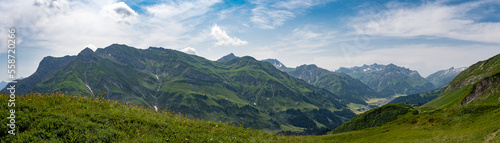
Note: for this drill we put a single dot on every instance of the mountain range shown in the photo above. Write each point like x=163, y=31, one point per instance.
x=389, y=80
x=443, y=77
x=241, y=90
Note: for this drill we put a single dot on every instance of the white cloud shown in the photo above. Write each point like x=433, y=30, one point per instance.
x=121, y=12
x=223, y=39
x=181, y=10
x=189, y=50
x=308, y=39
x=62, y=27
x=267, y=18
x=65, y=27
x=430, y=19
x=270, y=14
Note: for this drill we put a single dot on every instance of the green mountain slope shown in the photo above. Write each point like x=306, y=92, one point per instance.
x=478, y=123
x=46, y=67
x=352, y=90
x=243, y=90
x=417, y=99
x=479, y=84
x=341, y=84
x=376, y=117
x=63, y=118
x=389, y=80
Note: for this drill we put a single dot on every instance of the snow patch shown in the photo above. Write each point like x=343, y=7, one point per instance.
x=156, y=108
x=90, y=89
x=157, y=77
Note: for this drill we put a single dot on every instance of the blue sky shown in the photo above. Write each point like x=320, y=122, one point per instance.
x=421, y=35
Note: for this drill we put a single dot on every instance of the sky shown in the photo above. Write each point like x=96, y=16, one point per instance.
x=425, y=36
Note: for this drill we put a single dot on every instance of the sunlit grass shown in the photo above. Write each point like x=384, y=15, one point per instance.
x=60, y=118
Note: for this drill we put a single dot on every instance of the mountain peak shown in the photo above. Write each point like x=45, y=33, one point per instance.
x=87, y=55
x=443, y=77
x=227, y=58
x=275, y=63
x=395, y=79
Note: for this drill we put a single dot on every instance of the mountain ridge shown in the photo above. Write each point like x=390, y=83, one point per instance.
x=441, y=78
x=242, y=90
x=389, y=80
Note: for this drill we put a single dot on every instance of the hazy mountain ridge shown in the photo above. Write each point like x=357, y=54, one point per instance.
x=390, y=79
x=443, y=77
x=338, y=83
x=351, y=89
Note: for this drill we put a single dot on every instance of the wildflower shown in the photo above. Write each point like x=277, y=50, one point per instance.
x=187, y=139
x=137, y=130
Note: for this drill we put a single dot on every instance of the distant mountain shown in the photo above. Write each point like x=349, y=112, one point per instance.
x=443, y=77
x=341, y=84
x=477, y=85
x=3, y=84
x=278, y=64
x=352, y=90
x=417, y=99
x=389, y=80
x=243, y=90
x=227, y=58
x=46, y=68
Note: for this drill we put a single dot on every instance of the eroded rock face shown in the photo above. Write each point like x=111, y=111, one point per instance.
x=483, y=89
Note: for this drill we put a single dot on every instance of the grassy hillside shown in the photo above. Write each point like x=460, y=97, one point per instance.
x=477, y=123
x=417, y=99
x=375, y=117
x=61, y=118
x=467, y=110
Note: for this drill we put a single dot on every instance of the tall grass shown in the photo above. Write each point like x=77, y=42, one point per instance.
x=61, y=118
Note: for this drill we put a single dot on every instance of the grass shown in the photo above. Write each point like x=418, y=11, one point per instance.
x=61, y=118
x=477, y=123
